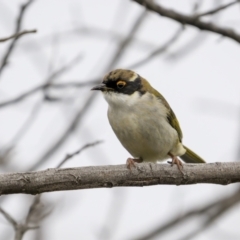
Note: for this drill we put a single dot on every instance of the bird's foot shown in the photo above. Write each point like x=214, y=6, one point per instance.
x=176, y=161
x=131, y=162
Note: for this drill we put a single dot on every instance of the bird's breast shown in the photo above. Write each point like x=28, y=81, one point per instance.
x=143, y=129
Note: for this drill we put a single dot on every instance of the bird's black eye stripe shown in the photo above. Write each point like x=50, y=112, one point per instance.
x=124, y=86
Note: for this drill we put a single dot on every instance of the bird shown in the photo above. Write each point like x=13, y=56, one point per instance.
x=143, y=120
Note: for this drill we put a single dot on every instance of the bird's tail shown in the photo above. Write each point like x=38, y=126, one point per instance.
x=191, y=157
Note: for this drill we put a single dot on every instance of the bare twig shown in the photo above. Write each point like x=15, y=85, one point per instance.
x=68, y=156
x=198, y=39
x=124, y=43
x=5, y=155
x=48, y=82
x=17, y=35
x=94, y=32
x=223, y=207
x=8, y=217
x=188, y=47
x=211, y=210
x=145, y=174
x=37, y=212
x=17, y=30
x=190, y=20
x=159, y=50
x=216, y=10
x=72, y=126
x=46, y=86
x=75, y=84
x=26, y=125
x=22, y=228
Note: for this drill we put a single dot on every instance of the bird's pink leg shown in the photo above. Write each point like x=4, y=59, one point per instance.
x=131, y=162
x=176, y=161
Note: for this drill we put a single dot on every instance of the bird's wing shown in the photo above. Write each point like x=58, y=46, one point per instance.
x=171, y=117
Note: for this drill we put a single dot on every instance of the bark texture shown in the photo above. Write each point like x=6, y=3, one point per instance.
x=145, y=174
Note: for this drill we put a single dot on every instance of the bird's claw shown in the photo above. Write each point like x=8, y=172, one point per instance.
x=176, y=161
x=131, y=162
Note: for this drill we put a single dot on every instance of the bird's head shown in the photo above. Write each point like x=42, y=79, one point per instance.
x=122, y=86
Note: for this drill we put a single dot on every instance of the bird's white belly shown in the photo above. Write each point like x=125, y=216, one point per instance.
x=144, y=133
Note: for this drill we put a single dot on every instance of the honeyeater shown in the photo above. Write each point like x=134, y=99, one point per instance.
x=142, y=120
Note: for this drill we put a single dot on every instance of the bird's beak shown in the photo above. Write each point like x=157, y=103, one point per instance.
x=101, y=87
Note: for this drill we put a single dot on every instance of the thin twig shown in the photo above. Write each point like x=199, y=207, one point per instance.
x=124, y=43
x=75, y=84
x=68, y=156
x=197, y=40
x=17, y=35
x=190, y=20
x=94, y=32
x=65, y=135
x=159, y=50
x=222, y=208
x=8, y=217
x=27, y=124
x=13, y=44
x=22, y=228
x=211, y=210
x=48, y=82
x=34, y=215
x=214, y=11
x=188, y=47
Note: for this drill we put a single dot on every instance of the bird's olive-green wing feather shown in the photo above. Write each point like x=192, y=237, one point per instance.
x=189, y=156
x=172, y=119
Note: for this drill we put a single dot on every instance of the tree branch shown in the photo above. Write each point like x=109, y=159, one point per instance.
x=47, y=83
x=146, y=174
x=209, y=211
x=11, y=47
x=190, y=20
x=65, y=135
x=35, y=214
x=214, y=11
x=8, y=217
x=71, y=155
x=163, y=48
x=17, y=35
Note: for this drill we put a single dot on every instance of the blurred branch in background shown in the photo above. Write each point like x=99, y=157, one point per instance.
x=189, y=20
x=18, y=27
x=36, y=213
x=158, y=50
x=90, y=32
x=122, y=46
x=198, y=39
x=5, y=155
x=66, y=134
x=49, y=85
x=210, y=213
x=17, y=35
x=217, y=10
x=48, y=82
